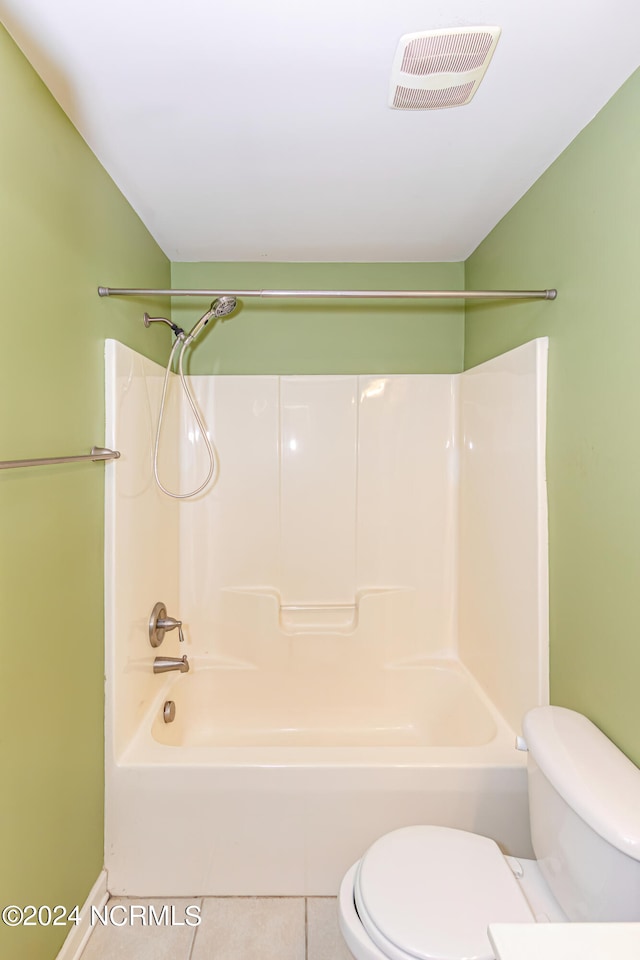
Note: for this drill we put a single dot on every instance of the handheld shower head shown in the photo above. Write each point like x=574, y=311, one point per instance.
x=221, y=307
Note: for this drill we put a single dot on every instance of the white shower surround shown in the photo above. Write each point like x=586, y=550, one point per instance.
x=421, y=566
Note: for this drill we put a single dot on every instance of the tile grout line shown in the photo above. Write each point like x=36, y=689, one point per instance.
x=306, y=928
x=195, y=932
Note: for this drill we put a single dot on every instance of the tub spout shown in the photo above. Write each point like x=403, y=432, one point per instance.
x=164, y=664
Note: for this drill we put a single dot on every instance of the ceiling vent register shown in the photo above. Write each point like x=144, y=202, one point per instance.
x=440, y=68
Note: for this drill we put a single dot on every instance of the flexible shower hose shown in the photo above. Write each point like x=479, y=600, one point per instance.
x=199, y=421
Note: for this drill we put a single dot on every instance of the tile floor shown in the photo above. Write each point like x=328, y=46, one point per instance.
x=231, y=928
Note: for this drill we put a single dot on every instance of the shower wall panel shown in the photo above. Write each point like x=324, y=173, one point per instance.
x=333, y=513
x=229, y=534
x=141, y=533
x=318, y=476
x=503, y=576
x=407, y=498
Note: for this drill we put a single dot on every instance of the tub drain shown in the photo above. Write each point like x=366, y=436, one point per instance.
x=169, y=711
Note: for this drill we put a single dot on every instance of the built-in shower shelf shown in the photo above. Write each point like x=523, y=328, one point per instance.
x=342, y=618
x=260, y=611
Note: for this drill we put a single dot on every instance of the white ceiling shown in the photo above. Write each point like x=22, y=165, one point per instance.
x=259, y=129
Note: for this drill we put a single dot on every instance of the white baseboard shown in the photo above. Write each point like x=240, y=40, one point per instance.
x=78, y=935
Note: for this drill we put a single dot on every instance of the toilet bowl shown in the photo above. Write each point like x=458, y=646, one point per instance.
x=430, y=892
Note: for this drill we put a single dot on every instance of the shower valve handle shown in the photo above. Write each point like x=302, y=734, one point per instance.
x=168, y=623
x=159, y=623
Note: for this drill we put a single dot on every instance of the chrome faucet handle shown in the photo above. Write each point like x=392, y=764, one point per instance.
x=159, y=623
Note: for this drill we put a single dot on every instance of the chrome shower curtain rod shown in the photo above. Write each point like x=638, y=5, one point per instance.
x=353, y=294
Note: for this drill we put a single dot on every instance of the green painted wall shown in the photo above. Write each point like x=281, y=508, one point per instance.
x=578, y=229
x=337, y=336
x=65, y=229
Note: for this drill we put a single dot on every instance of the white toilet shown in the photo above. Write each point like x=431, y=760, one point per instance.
x=429, y=893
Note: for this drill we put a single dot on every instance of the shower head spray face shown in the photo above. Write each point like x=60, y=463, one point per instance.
x=221, y=307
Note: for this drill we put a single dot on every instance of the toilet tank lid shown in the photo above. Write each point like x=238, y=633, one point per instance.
x=589, y=772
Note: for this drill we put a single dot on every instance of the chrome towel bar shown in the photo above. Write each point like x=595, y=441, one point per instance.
x=97, y=453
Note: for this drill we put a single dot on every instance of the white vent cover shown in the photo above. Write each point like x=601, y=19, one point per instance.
x=440, y=68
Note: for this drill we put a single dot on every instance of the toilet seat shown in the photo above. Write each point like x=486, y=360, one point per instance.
x=429, y=893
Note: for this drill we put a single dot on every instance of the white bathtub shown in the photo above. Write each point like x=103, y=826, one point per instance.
x=269, y=787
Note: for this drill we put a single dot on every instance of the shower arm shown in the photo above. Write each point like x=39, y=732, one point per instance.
x=550, y=294
x=178, y=331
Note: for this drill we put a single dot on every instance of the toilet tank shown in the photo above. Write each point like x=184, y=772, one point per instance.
x=584, y=806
